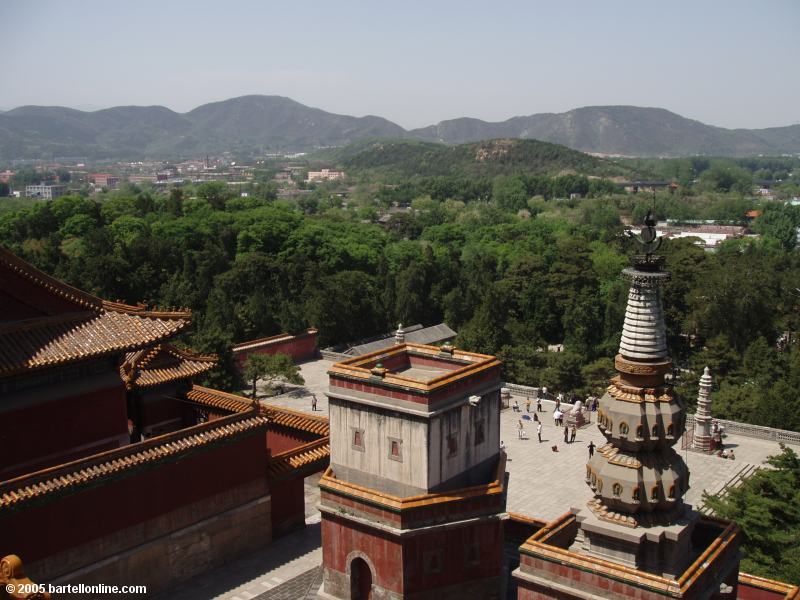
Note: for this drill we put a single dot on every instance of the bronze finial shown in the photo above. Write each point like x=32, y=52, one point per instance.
x=651, y=242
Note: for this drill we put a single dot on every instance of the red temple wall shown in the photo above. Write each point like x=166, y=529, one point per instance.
x=576, y=579
x=288, y=505
x=396, y=362
x=282, y=439
x=454, y=545
x=156, y=409
x=31, y=296
x=71, y=520
x=448, y=391
x=299, y=347
x=400, y=565
x=749, y=592
x=70, y=427
x=340, y=538
x=436, y=362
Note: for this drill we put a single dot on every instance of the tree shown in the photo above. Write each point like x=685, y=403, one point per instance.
x=214, y=192
x=271, y=368
x=779, y=222
x=767, y=508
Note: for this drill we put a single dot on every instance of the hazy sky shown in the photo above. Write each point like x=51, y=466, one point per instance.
x=729, y=63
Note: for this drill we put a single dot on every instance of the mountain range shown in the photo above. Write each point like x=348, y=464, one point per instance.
x=255, y=124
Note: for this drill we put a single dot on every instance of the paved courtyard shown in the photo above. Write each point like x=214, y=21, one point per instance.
x=542, y=484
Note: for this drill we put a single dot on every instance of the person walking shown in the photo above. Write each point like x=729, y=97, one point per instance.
x=566, y=434
x=528, y=405
x=314, y=403
x=591, y=449
x=539, y=431
x=538, y=405
x=573, y=431
x=535, y=418
x=520, y=429
x=515, y=407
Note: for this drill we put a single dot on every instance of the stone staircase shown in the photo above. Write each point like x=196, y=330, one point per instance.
x=738, y=478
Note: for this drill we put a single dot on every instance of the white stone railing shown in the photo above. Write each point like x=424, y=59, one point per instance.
x=753, y=431
x=335, y=356
x=526, y=390
x=734, y=427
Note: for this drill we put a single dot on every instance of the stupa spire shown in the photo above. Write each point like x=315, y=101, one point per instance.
x=637, y=477
x=702, y=418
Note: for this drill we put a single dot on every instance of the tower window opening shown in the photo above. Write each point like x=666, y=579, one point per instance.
x=357, y=439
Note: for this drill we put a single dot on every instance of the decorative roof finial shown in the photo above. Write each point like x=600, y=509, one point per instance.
x=651, y=242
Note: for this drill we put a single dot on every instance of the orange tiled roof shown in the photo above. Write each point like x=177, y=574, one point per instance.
x=330, y=483
x=286, y=417
x=219, y=400
x=75, y=474
x=295, y=419
x=84, y=326
x=360, y=367
x=312, y=456
x=51, y=341
x=161, y=364
x=540, y=545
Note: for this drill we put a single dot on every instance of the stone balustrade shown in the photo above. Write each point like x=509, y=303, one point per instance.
x=734, y=427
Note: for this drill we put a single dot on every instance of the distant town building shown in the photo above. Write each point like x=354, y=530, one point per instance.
x=6, y=176
x=46, y=191
x=324, y=174
x=105, y=180
x=709, y=235
x=635, y=187
x=141, y=178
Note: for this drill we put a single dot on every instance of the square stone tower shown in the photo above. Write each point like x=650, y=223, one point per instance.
x=413, y=501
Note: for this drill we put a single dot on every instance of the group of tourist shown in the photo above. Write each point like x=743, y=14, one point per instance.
x=516, y=408
x=570, y=430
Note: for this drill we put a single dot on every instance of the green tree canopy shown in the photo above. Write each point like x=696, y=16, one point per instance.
x=767, y=508
x=271, y=368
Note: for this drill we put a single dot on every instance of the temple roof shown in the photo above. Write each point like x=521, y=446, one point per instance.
x=285, y=417
x=416, y=334
x=45, y=322
x=162, y=363
x=68, y=477
x=307, y=458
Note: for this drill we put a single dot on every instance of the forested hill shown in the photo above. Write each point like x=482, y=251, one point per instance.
x=625, y=130
x=252, y=125
x=389, y=159
x=249, y=124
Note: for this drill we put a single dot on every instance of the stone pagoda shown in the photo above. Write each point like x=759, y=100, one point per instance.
x=702, y=419
x=637, y=516
x=635, y=538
